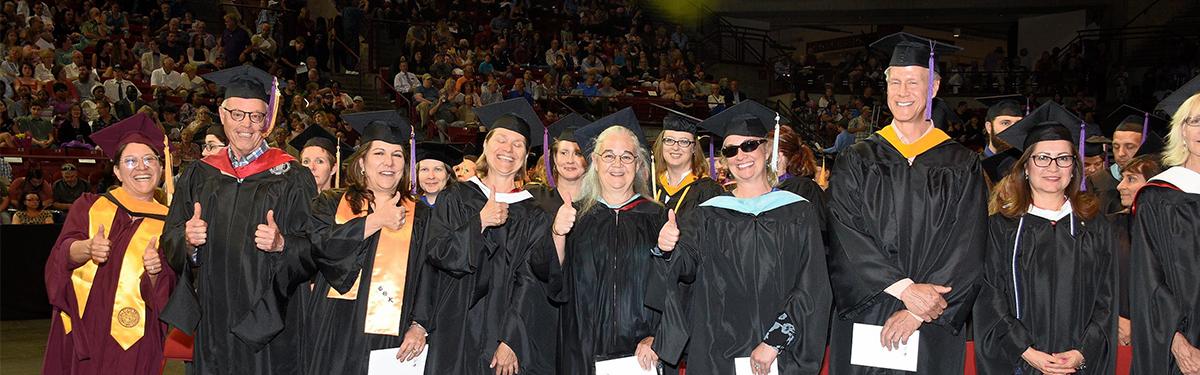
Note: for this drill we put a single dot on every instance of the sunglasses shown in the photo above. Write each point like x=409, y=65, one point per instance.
x=747, y=146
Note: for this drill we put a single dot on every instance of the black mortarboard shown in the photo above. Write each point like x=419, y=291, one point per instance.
x=943, y=115
x=439, y=151
x=1171, y=103
x=1050, y=112
x=677, y=123
x=1004, y=105
x=244, y=81
x=586, y=136
x=1147, y=121
x=912, y=50
x=514, y=114
x=724, y=123
x=387, y=126
x=1094, y=144
x=215, y=129
x=564, y=128
x=139, y=128
x=317, y=136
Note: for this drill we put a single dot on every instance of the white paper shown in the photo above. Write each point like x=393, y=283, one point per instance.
x=866, y=350
x=622, y=366
x=384, y=362
x=742, y=366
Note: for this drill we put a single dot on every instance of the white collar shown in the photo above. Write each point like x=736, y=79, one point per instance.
x=1052, y=215
x=903, y=139
x=1183, y=178
x=508, y=198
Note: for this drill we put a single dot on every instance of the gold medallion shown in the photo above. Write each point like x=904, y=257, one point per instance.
x=128, y=317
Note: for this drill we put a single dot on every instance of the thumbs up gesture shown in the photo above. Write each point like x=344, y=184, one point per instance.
x=493, y=213
x=669, y=235
x=99, y=246
x=565, y=219
x=391, y=213
x=267, y=237
x=150, y=259
x=195, y=229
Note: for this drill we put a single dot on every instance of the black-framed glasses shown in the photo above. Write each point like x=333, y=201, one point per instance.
x=1194, y=121
x=209, y=147
x=1043, y=161
x=747, y=146
x=130, y=162
x=239, y=115
x=611, y=157
x=685, y=143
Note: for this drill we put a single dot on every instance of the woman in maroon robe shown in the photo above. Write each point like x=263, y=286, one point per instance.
x=112, y=238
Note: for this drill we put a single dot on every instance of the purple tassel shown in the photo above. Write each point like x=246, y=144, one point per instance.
x=712, y=160
x=1145, y=127
x=1027, y=106
x=546, y=156
x=1082, y=137
x=929, y=88
x=412, y=159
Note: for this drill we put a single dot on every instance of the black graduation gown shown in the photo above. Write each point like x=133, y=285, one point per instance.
x=692, y=195
x=1122, y=223
x=890, y=220
x=336, y=342
x=807, y=188
x=998, y=165
x=547, y=198
x=754, y=278
x=606, y=273
x=1166, y=297
x=492, y=286
x=238, y=303
x=1066, y=291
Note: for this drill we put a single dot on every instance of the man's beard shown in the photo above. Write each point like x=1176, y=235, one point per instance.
x=998, y=143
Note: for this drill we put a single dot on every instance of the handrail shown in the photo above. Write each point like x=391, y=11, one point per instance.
x=396, y=95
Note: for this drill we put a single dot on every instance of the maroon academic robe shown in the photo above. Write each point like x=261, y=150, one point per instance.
x=89, y=348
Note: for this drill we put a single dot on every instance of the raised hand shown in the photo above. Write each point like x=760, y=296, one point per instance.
x=391, y=214
x=99, y=246
x=565, y=219
x=196, y=230
x=493, y=214
x=150, y=260
x=669, y=234
x=267, y=236
x=925, y=300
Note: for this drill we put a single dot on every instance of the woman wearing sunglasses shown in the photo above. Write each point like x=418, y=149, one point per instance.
x=754, y=260
x=1048, y=298
x=105, y=277
x=605, y=235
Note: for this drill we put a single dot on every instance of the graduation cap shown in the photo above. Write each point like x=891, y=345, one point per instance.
x=942, y=115
x=912, y=50
x=1171, y=103
x=387, y=126
x=517, y=115
x=586, y=136
x=719, y=123
x=1018, y=135
x=215, y=130
x=442, y=152
x=317, y=136
x=1127, y=114
x=139, y=128
x=677, y=123
x=1014, y=105
x=564, y=128
x=246, y=81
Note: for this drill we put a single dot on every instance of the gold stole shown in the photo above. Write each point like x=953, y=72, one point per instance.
x=128, y=325
x=672, y=189
x=933, y=138
x=387, y=274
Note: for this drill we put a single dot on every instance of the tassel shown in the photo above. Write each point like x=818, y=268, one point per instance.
x=1082, y=137
x=712, y=161
x=1145, y=127
x=929, y=88
x=775, y=147
x=412, y=159
x=546, y=156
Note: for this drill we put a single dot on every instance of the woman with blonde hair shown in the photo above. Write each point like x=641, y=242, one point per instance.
x=1166, y=233
x=605, y=234
x=680, y=169
x=755, y=263
x=490, y=240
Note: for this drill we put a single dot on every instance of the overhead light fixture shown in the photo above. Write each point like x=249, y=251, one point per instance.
x=957, y=31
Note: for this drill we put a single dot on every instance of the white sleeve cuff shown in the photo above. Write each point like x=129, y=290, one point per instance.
x=898, y=287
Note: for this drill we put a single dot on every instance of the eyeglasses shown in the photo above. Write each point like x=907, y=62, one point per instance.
x=239, y=115
x=685, y=143
x=208, y=147
x=1043, y=161
x=68, y=167
x=747, y=146
x=610, y=157
x=1194, y=121
x=130, y=162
